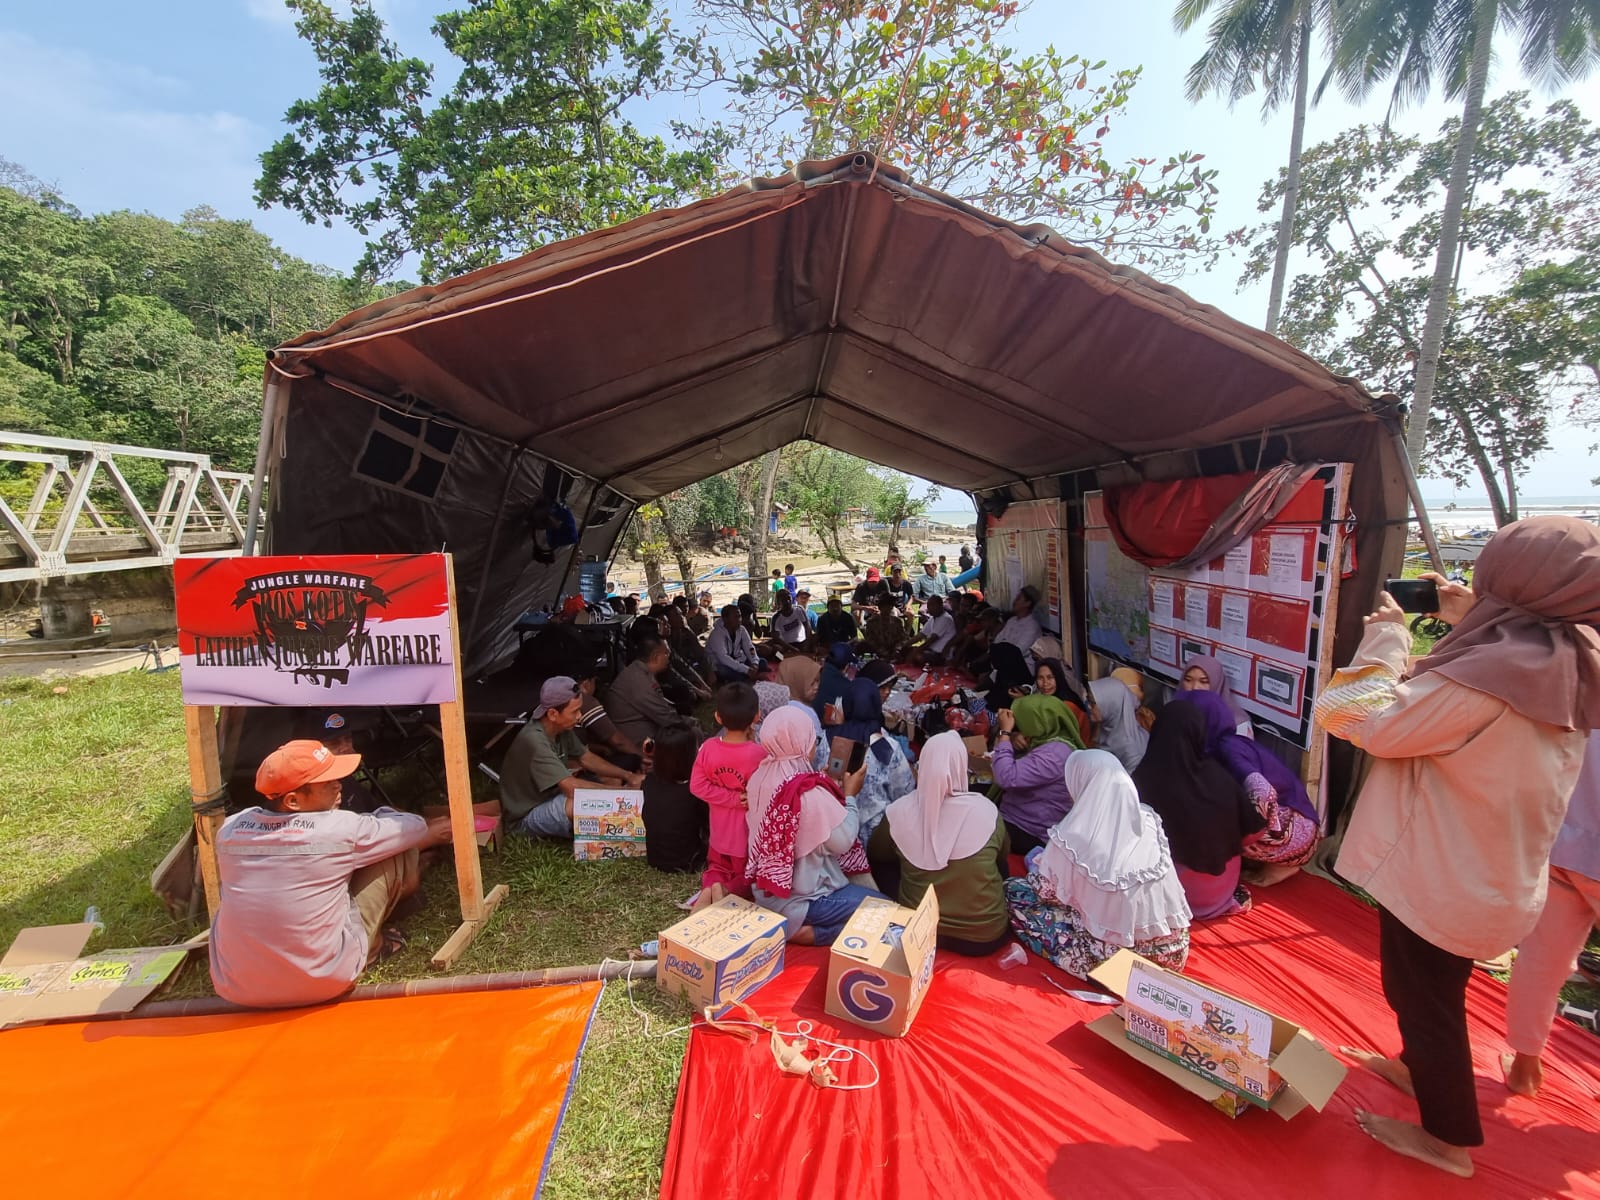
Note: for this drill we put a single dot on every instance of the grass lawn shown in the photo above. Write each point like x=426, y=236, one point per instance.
x=96, y=792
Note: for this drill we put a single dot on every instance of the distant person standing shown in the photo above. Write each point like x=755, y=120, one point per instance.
x=1546, y=956
x=966, y=562
x=790, y=583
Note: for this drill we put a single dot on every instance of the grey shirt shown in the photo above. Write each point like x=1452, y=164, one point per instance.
x=636, y=704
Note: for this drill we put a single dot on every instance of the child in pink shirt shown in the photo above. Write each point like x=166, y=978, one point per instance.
x=721, y=773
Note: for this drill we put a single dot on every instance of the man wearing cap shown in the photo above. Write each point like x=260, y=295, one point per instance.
x=539, y=774
x=305, y=888
x=836, y=625
x=870, y=593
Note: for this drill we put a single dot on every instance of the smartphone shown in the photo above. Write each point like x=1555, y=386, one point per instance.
x=845, y=757
x=1414, y=595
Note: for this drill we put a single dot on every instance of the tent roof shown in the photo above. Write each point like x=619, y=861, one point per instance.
x=839, y=304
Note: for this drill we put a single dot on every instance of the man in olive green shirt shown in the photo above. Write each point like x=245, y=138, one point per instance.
x=539, y=774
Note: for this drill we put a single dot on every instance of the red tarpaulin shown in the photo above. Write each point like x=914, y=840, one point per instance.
x=1000, y=1090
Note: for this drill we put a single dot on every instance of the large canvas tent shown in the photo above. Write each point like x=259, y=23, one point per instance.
x=841, y=304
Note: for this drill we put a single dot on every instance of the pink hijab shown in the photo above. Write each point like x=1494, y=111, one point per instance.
x=789, y=738
x=942, y=820
x=1217, y=677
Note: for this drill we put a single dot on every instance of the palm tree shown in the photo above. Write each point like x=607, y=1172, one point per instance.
x=1410, y=40
x=1265, y=41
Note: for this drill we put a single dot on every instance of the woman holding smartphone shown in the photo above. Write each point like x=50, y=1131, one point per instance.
x=1475, y=752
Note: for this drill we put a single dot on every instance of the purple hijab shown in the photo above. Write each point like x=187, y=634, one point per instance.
x=1217, y=677
x=1242, y=756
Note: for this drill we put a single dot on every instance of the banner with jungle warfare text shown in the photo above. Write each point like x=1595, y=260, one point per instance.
x=358, y=629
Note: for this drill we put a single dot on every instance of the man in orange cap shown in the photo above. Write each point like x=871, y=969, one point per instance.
x=305, y=887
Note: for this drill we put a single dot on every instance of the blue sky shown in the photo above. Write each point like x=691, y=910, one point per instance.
x=162, y=107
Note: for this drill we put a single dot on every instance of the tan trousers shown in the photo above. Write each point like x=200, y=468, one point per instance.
x=1546, y=957
x=378, y=887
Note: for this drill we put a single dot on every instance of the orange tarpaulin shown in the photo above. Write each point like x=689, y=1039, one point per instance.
x=438, y=1096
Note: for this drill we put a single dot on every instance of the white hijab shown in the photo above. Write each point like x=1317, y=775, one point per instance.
x=941, y=820
x=1108, y=858
x=1120, y=731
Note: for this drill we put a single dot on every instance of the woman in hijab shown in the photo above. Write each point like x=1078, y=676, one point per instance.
x=1011, y=675
x=1104, y=879
x=1293, y=830
x=1205, y=812
x=806, y=861
x=802, y=675
x=1037, y=734
x=888, y=770
x=1473, y=758
x=1203, y=673
x=1134, y=682
x=950, y=839
x=1053, y=678
x=1120, y=731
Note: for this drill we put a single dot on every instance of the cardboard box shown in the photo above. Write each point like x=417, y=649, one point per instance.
x=979, y=765
x=607, y=823
x=1306, y=1074
x=1212, y=1034
x=721, y=954
x=42, y=975
x=881, y=964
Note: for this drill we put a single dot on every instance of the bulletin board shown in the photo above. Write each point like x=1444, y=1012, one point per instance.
x=1025, y=546
x=1260, y=610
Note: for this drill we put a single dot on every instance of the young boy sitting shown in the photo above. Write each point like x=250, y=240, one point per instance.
x=306, y=888
x=721, y=774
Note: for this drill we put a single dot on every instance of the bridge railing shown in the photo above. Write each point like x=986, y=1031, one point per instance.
x=81, y=514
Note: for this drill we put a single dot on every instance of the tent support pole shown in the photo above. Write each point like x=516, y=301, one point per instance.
x=268, y=435
x=1415, y=492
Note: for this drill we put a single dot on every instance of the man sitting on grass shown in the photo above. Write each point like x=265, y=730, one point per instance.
x=540, y=771
x=305, y=888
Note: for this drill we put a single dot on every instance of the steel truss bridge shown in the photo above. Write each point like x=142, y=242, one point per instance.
x=72, y=509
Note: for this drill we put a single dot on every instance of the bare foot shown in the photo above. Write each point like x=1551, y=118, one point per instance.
x=1392, y=1070
x=1524, y=1073
x=1413, y=1141
x=1267, y=874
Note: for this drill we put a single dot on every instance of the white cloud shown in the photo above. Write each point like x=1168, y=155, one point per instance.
x=274, y=12
x=112, y=137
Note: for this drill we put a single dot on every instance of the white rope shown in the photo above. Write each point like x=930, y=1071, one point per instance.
x=803, y=1032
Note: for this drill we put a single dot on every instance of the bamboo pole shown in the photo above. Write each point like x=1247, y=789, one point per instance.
x=499, y=981
x=205, y=793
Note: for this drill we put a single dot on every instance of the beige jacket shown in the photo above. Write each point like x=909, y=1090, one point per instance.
x=1452, y=830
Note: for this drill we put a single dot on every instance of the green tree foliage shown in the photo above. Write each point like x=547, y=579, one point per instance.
x=1412, y=41
x=822, y=486
x=529, y=144
x=1263, y=44
x=893, y=503
x=933, y=85
x=1523, y=335
x=130, y=328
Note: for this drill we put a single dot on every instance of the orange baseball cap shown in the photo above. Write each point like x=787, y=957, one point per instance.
x=295, y=764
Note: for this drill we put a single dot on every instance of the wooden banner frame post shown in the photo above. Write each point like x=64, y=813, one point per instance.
x=207, y=800
x=1312, y=765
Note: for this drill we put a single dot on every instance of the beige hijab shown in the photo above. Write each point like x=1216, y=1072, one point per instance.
x=1530, y=638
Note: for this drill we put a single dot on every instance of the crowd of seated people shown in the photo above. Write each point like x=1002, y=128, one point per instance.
x=1084, y=781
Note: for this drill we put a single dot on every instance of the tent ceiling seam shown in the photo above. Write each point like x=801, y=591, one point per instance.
x=833, y=315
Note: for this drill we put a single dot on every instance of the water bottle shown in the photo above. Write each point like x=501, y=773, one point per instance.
x=91, y=916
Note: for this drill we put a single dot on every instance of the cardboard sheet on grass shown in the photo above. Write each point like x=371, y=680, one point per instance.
x=43, y=975
x=442, y=1096
x=1001, y=1089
